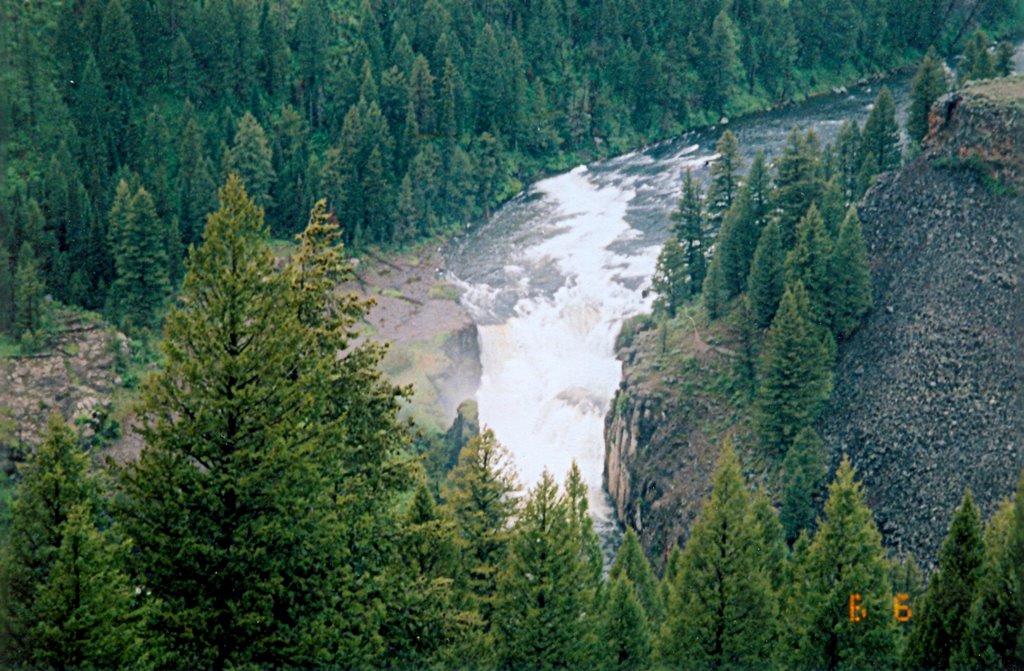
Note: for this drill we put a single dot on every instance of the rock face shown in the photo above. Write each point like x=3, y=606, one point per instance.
x=76, y=376
x=662, y=434
x=928, y=393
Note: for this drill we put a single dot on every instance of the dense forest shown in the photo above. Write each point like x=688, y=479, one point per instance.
x=277, y=520
x=120, y=118
x=280, y=514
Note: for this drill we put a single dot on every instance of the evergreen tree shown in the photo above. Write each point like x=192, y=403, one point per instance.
x=670, y=278
x=714, y=291
x=803, y=474
x=724, y=70
x=722, y=611
x=139, y=245
x=848, y=623
x=809, y=262
x=976, y=62
x=688, y=229
x=849, y=161
x=251, y=158
x=269, y=473
x=928, y=84
x=68, y=603
x=795, y=375
x=766, y=275
x=117, y=51
x=881, y=137
x=625, y=635
x=725, y=180
x=541, y=601
x=995, y=629
x=770, y=539
x=28, y=293
x=940, y=625
x=480, y=494
x=741, y=229
x=799, y=181
x=850, y=278
x=631, y=563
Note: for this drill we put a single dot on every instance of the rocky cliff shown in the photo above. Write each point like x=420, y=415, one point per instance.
x=928, y=397
x=928, y=393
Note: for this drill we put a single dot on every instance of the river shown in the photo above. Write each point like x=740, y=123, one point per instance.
x=551, y=277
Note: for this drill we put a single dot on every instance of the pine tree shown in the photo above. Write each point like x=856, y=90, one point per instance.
x=803, y=474
x=28, y=293
x=995, y=629
x=625, y=634
x=766, y=275
x=723, y=71
x=68, y=603
x=795, y=375
x=269, y=471
x=850, y=291
x=722, y=610
x=117, y=52
x=809, y=262
x=976, y=62
x=670, y=278
x=725, y=180
x=799, y=181
x=849, y=161
x=881, y=136
x=742, y=227
x=770, y=540
x=928, y=84
x=480, y=494
x=847, y=623
x=251, y=158
x=139, y=245
x=631, y=563
x=941, y=620
x=541, y=600
x=688, y=228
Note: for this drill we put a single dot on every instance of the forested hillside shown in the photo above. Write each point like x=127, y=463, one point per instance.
x=121, y=118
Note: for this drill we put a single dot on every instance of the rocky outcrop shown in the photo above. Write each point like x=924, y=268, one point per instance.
x=928, y=393
x=75, y=375
x=662, y=434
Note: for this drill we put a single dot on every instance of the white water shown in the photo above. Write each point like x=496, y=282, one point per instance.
x=551, y=278
x=549, y=367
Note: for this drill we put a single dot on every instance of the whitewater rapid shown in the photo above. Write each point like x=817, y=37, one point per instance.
x=548, y=319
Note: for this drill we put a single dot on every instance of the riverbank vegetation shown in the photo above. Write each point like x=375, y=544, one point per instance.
x=411, y=118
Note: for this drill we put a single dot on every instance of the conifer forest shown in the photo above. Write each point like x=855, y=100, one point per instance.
x=282, y=511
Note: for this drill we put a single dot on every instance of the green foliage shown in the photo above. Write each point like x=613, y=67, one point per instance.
x=976, y=62
x=940, y=623
x=845, y=558
x=722, y=609
x=799, y=180
x=480, y=495
x=995, y=627
x=795, y=376
x=631, y=564
x=809, y=263
x=881, y=137
x=269, y=469
x=139, y=248
x=725, y=180
x=250, y=157
x=766, y=275
x=625, y=634
x=29, y=307
x=68, y=601
x=803, y=474
x=850, y=278
x=928, y=84
x=546, y=587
